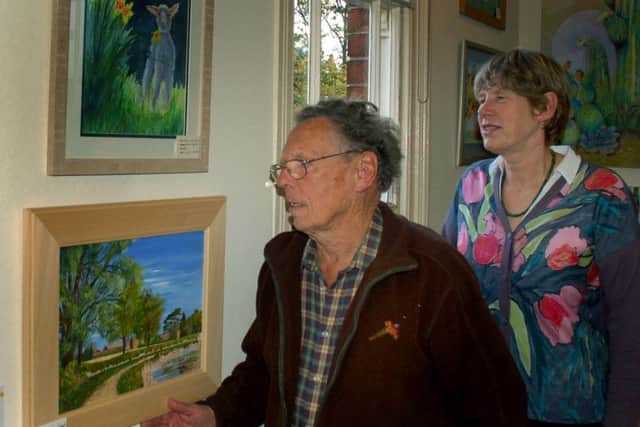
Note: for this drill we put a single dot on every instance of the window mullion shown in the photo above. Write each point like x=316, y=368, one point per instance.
x=315, y=50
x=374, y=53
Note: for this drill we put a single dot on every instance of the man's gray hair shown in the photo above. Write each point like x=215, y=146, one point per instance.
x=363, y=129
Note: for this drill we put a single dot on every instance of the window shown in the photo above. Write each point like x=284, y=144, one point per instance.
x=358, y=49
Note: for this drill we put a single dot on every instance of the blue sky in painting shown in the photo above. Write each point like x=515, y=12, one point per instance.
x=172, y=268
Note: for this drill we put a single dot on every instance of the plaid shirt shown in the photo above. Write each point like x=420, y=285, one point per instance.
x=323, y=311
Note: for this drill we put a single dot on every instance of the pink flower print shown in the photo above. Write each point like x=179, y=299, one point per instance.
x=473, y=186
x=556, y=314
x=517, y=262
x=485, y=249
x=494, y=226
x=463, y=239
x=562, y=257
x=519, y=242
x=593, y=275
x=563, y=192
x=554, y=202
x=605, y=180
x=565, y=248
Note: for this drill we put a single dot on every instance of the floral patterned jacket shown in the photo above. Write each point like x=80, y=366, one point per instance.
x=563, y=285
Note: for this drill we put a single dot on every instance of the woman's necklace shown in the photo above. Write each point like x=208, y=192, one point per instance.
x=546, y=178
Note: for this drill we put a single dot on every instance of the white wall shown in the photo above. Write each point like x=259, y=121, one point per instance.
x=240, y=154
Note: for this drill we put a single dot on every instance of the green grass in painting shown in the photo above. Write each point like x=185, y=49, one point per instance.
x=131, y=379
x=76, y=386
x=134, y=116
x=72, y=398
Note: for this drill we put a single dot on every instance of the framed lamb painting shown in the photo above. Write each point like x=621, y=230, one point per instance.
x=130, y=87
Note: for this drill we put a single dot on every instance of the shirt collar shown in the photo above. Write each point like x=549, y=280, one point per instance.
x=570, y=164
x=567, y=168
x=361, y=259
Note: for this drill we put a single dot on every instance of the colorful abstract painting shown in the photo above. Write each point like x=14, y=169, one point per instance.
x=597, y=42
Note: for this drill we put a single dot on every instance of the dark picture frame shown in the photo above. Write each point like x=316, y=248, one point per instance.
x=470, y=147
x=490, y=12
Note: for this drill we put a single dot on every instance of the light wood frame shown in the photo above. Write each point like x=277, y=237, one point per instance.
x=468, y=153
x=188, y=153
x=496, y=20
x=46, y=230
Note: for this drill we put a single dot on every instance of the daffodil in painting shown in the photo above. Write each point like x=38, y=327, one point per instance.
x=155, y=36
x=123, y=9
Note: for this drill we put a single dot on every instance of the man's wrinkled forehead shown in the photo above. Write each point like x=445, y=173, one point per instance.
x=311, y=137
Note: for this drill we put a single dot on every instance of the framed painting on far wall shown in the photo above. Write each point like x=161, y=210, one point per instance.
x=490, y=12
x=130, y=87
x=596, y=43
x=470, y=147
x=122, y=309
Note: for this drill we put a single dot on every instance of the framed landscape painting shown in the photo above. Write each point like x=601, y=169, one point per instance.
x=123, y=309
x=130, y=86
x=470, y=147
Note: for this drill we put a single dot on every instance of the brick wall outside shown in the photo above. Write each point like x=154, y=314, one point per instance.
x=358, y=53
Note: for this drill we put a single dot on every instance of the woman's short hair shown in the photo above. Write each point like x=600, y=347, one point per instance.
x=363, y=129
x=529, y=74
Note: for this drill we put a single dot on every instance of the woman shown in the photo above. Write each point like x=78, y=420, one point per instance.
x=555, y=244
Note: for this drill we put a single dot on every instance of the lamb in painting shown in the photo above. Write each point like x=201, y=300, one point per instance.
x=160, y=65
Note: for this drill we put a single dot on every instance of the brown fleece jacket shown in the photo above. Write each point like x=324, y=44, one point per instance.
x=449, y=366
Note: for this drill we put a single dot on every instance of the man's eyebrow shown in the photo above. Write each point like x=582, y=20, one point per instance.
x=297, y=156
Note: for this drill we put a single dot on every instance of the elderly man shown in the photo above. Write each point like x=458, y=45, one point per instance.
x=363, y=318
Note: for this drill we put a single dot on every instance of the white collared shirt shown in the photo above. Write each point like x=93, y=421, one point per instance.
x=567, y=168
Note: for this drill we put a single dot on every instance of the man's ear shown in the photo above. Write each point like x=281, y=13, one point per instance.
x=366, y=171
x=550, y=110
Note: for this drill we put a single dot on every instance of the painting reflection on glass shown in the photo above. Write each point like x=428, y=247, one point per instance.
x=130, y=315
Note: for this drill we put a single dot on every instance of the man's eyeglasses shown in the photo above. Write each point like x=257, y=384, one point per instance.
x=297, y=168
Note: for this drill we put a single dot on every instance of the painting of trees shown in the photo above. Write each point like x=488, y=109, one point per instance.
x=149, y=316
x=92, y=278
x=115, y=298
x=173, y=323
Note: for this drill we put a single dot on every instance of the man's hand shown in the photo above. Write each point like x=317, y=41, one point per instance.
x=183, y=415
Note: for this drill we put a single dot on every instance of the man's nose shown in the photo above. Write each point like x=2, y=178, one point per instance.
x=283, y=178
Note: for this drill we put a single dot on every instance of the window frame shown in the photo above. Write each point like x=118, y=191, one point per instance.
x=411, y=88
